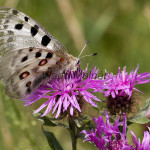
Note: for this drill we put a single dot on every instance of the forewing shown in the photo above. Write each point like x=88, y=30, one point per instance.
x=18, y=31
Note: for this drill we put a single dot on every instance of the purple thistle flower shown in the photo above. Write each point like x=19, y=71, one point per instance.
x=145, y=145
x=123, y=83
x=118, y=89
x=65, y=92
x=107, y=136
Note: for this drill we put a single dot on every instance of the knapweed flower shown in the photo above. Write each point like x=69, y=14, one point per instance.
x=65, y=92
x=145, y=145
x=119, y=88
x=106, y=136
x=123, y=83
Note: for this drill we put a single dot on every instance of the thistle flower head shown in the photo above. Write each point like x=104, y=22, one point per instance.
x=119, y=90
x=107, y=136
x=123, y=83
x=66, y=92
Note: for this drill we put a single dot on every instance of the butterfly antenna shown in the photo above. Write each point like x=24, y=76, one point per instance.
x=88, y=55
x=83, y=48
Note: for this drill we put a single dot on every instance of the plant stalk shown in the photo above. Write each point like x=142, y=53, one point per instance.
x=72, y=127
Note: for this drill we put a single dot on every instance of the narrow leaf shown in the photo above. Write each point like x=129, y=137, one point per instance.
x=52, y=141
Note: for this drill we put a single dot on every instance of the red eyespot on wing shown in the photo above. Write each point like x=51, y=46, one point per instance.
x=61, y=60
x=28, y=84
x=42, y=62
x=24, y=75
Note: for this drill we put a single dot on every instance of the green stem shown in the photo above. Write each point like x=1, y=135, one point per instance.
x=72, y=127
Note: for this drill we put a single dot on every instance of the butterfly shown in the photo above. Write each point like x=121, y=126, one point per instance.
x=29, y=54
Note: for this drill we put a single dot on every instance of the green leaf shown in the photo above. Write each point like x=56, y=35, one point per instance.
x=140, y=120
x=83, y=120
x=83, y=123
x=45, y=120
x=52, y=141
x=51, y=122
x=144, y=108
x=140, y=117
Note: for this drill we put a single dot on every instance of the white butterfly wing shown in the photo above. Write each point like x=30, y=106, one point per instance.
x=29, y=53
x=28, y=72
x=18, y=31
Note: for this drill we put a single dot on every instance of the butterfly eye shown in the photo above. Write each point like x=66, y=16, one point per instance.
x=78, y=62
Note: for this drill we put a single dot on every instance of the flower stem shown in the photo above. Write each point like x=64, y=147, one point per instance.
x=72, y=127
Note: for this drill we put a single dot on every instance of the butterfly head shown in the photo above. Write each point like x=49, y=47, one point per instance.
x=78, y=62
x=72, y=63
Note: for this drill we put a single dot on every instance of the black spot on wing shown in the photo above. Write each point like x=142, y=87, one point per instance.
x=24, y=58
x=45, y=40
x=49, y=55
x=18, y=26
x=28, y=90
x=38, y=54
x=15, y=12
x=34, y=30
x=26, y=18
x=30, y=50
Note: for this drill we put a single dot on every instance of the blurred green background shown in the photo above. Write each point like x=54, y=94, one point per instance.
x=118, y=30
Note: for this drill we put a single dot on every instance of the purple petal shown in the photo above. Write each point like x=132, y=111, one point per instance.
x=59, y=108
x=42, y=106
x=49, y=107
x=71, y=110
